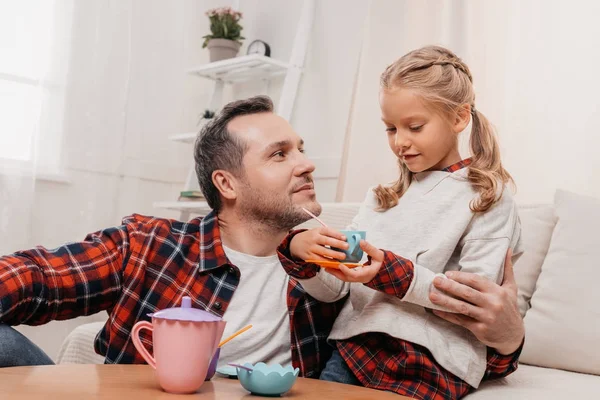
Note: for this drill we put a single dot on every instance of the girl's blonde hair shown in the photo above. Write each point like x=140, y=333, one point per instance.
x=444, y=82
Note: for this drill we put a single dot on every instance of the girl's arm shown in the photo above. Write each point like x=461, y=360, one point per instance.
x=318, y=284
x=483, y=249
x=397, y=276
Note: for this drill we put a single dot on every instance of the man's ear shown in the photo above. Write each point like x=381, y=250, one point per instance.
x=462, y=118
x=225, y=183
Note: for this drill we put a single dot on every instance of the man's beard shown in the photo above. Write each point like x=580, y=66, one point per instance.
x=275, y=210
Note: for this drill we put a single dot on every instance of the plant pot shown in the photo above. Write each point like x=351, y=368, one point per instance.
x=222, y=49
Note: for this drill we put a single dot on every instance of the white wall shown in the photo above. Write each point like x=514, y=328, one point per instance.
x=391, y=28
x=324, y=97
x=128, y=91
x=535, y=69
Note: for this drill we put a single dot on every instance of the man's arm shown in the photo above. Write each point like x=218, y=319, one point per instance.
x=40, y=285
x=489, y=311
x=500, y=365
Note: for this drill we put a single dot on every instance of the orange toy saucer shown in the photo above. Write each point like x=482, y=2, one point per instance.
x=333, y=264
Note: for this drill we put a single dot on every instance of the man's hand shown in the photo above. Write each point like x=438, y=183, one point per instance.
x=362, y=274
x=310, y=244
x=488, y=310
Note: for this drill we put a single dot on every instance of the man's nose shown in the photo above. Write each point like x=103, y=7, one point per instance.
x=305, y=166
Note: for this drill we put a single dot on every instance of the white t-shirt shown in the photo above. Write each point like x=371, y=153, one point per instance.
x=261, y=300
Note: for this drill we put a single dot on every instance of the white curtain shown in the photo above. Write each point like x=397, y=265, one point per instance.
x=89, y=93
x=34, y=46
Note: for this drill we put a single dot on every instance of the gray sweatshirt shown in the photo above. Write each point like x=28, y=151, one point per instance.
x=434, y=228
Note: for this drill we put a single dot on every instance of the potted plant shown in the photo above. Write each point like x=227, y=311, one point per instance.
x=205, y=116
x=225, y=38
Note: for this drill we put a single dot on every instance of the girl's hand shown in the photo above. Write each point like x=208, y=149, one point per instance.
x=310, y=244
x=362, y=274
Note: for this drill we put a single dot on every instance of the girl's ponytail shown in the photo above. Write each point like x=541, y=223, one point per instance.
x=485, y=171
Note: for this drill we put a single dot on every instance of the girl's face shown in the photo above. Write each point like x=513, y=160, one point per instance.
x=422, y=138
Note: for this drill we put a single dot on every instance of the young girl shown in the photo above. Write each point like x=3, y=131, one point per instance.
x=443, y=213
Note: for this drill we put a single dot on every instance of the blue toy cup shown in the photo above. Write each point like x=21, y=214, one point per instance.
x=354, y=253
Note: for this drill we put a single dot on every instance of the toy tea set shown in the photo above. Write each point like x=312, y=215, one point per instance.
x=186, y=344
x=187, y=348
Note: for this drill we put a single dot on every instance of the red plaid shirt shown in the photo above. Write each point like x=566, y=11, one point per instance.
x=145, y=265
x=459, y=165
x=382, y=362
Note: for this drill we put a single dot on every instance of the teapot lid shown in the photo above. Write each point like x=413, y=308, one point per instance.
x=185, y=313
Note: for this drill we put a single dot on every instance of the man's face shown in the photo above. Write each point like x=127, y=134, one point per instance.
x=278, y=177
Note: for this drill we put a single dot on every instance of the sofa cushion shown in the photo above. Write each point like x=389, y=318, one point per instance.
x=537, y=225
x=536, y=383
x=563, y=324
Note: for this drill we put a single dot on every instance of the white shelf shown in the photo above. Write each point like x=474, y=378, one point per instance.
x=194, y=207
x=241, y=69
x=189, y=137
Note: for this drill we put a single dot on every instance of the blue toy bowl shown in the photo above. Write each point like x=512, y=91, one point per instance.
x=267, y=380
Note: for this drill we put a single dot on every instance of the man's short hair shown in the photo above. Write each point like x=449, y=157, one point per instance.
x=217, y=149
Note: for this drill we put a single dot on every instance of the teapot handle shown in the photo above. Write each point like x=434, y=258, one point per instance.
x=135, y=336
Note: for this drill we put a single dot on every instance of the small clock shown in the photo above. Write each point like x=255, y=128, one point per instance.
x=259, y=47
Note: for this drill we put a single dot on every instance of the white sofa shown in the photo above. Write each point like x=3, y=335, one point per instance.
x=557, y=295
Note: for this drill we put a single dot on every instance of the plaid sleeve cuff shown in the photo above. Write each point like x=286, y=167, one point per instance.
x=499, y=365
x=394, y=277
x=294, y=267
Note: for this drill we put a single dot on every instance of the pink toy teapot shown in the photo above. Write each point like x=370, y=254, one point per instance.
x=184, y=341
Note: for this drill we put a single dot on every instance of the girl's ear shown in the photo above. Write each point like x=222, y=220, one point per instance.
x=462, y=118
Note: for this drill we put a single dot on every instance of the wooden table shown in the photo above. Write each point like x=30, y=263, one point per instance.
x=131, y=382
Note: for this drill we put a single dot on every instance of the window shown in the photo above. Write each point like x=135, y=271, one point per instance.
x=28, y=39
x=19, y=102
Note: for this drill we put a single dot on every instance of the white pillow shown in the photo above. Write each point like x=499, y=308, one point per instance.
x=537, y=225
x=563, y=324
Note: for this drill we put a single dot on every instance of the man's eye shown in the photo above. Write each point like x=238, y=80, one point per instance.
x=301, y=151
x=278, y=154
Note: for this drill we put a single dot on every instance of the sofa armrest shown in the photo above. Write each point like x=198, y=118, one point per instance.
x=78, y=347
